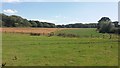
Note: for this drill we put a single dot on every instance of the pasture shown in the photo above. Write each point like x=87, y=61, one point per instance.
x=27, y=50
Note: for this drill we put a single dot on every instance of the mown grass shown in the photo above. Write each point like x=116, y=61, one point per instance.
x=59, y=51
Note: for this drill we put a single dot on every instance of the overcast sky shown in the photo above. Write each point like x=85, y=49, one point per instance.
x=62, y=12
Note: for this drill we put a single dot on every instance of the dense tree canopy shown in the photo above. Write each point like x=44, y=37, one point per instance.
x=105, y=25
x=17, y=21
x=78, y=25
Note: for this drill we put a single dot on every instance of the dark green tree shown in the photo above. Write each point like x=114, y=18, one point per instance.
x=33, y=24
x=105, y=25
x=39, y=24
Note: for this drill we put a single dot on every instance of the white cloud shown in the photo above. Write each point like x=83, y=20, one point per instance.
x=10, y=11
x=11, y=0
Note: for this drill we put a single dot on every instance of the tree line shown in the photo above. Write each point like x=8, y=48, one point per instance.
x=104, y=25
x=17, y=21
x=78, y=25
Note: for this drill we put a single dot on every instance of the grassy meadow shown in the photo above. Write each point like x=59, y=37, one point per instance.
x=60, y=51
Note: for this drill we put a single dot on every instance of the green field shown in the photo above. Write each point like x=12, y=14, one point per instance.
x=60, y=51
x=81, y=32
x=86, y=33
